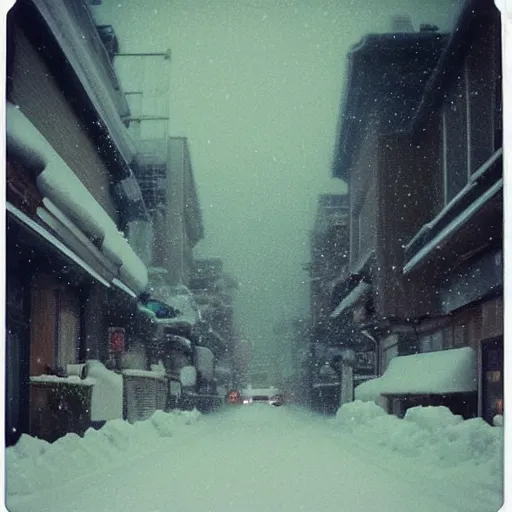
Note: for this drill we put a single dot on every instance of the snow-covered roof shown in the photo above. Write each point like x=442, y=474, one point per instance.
x=178, y=297
x=58, y=183
x=352, y=298
x=445, y=371
x=132, y=271
x=176, y=321
x=46, y=235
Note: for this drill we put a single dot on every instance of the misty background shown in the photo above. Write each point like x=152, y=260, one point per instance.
x=256, y=86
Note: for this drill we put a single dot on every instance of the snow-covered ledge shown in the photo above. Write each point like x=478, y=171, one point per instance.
x=148, y=374
x=54, y=379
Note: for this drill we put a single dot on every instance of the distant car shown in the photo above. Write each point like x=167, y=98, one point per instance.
x=270, y=395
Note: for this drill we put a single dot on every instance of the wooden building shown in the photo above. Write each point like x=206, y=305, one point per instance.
x=420, y=146
x=74, y=270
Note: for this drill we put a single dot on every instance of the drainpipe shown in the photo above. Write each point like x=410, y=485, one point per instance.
x=376, y=343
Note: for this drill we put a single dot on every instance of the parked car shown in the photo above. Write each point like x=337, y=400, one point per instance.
x=270, y=395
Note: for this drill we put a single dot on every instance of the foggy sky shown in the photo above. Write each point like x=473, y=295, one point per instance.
x=256, y=87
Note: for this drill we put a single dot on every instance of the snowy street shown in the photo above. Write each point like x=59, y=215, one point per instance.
x=251, y=458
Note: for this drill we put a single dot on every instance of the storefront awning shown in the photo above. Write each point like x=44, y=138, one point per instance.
x=360, y=291
x=433, y=373
x=52, y=240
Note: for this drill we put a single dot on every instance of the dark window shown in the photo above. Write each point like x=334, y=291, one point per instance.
x=482, y=79
x=455, y=127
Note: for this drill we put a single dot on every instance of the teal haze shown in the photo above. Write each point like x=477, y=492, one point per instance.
x=256, y=87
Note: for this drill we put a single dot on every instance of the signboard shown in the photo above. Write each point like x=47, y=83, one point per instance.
x=116, y=338
x=365, y=360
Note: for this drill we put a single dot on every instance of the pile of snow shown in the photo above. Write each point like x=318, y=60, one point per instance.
x=107, y=392
x=34, y=465
x=497, y=421
x=433, y=434
x=357, y=413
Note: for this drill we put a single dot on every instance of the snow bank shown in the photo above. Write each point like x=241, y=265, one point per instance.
x=34, y=465
x=358, y=413
x=107, y=393
x=434, y=435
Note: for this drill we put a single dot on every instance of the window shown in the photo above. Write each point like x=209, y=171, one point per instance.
x=55, y=326
x=471, y=116
x=448, y=337
x=432, y=342
x=68, y=328
x=437, y=340
x=481, y=102
x=426, y=344
x=455, y=138
x=459, y=336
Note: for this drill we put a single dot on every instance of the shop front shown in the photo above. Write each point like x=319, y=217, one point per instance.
x=442, y=378
x=69, y=262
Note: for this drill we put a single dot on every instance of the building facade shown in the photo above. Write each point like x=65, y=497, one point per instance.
x=74, y=274
x=425, y=182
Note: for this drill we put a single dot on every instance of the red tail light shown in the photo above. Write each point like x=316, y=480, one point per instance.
x=234, y=397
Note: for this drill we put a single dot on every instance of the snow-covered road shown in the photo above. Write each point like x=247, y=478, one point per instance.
x=252, y=458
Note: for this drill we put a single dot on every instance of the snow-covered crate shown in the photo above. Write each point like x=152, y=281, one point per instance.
x=143, y=395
